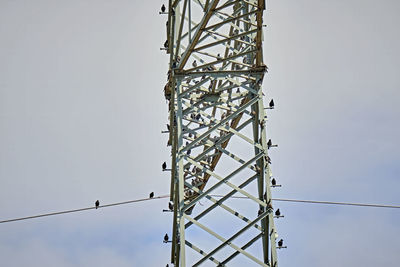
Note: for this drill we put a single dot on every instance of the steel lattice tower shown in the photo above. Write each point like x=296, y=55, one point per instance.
x=217, y=133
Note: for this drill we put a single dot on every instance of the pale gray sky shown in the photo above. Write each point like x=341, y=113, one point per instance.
x=81, y=110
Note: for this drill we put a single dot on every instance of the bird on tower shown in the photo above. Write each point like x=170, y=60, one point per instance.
x=269, y=143
x=151, y=195
x=164, y=166
x=278, y=212
x=273, y=182
x=166, y=238
x=271, y=104
x=163, y=8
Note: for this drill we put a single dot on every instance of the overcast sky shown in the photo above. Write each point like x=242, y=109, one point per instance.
x=82, y=108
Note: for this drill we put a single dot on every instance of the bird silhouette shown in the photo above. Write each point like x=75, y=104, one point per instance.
x=273, y=181
x=97, y=204
x=194, y=64
x=278, y=212
x=151, y=195
x=271, y=103
x=163, y=8
x=269, y=143
x=280, y=243
x=170, y=206
x=166, y=238
x=166, y=44
x=164, y=166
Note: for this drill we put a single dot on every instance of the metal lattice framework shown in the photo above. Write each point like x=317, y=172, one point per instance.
x=217, y=133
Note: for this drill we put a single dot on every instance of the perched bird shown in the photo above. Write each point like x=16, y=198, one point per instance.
x=194, y=64
x=280, y=243
x=166, y=238
x=170, y=206
x=271, y=103
x=163, y=8
x=166, y=44
x=188, y=152
x=164, y=166
x=273, y=181
x=167, y=265
x=278, y=212
x=260, y=212
x=151, y=195
x=97, y=204
x=269, y=143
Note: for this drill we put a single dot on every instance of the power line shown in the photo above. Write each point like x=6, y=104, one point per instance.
x=339, y=203
x=327, y=202
x=82, y=209
x=166, y=196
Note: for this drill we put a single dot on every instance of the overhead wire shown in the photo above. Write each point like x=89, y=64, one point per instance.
x=326, y=202
x=166, y=196
x=82, y=209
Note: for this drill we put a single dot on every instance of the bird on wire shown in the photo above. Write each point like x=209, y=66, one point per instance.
x=97, y=204
x=151, y=195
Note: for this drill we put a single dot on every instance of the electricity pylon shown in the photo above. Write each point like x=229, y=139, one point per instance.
x=217, y=133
